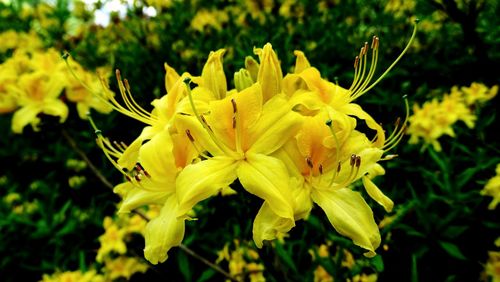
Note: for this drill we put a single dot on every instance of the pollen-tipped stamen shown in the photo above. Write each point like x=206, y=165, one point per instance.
x=392, y=65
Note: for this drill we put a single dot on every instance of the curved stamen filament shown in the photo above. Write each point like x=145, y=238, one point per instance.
x=202, y=120
x=363, y=63
x=398, y=133
x=371, y=71
x=361, y=92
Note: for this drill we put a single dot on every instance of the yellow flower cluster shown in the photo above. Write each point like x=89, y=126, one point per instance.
x=290, y=140
x=492, y=189
x=492, y=267
x=435, y=118
x=73, y=276
x=32, y=81
x=242, y=262
x=322, y=252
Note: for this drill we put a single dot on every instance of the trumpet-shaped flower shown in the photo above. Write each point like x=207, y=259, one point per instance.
x=240, y=132
x=492, y=188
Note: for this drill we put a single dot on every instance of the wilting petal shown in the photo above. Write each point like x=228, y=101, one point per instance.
x=267, y=178
x=202, y=180
x=377, y=195
x=163, y=233
x=267, y=225
x=350, y=215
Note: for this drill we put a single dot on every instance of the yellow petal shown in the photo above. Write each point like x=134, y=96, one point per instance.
x=138, y=197
x=356, y=110
x=56, y=108
x=270, y=75
x=350, y=215
x=171, y=76
x=267, y=178
x=377, y=195
x=201, y=180
x=252, y=66
x=213, y=74
x=301, y=62
x=267, y=225
x=156, y=157
x=276, y=126
x=24, y=116
x=163, y=233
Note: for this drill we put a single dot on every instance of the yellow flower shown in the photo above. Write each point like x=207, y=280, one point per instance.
x=73, y=276
x=240, y=132
x=363, y=277
x=204, y=18
x=478, y=93
x=435, y=118
x=321, y=275
x=492, y=189
x=37, y=93
x=112, y=240
x=78, y=90
x=123, y=267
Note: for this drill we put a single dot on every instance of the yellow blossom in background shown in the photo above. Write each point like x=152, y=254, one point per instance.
x=321, y=275
x=435, y=118
x=478, y=93
x=209, y=18
x=123, y=267
x=492, y=189
x=400, y=8
x=492, y=267
x=73, y=276
x=363, y=277
x=11, y=198
x=19, y=40
x=243, y=262
x=112, y=240
x=38, y=93
x=82, y=87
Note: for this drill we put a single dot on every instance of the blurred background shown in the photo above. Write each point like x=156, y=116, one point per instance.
x=58, y=218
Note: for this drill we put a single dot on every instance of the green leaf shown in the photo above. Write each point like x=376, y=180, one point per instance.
x=285, y=256
x=378, y=263
x=206, y=275
x=452, y=250
x=183, y=263
x=414, y=269
x=454, y=231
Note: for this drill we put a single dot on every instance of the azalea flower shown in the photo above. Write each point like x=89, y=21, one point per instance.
x=37, y=93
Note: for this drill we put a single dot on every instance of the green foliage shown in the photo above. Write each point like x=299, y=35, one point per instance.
x=439, y=214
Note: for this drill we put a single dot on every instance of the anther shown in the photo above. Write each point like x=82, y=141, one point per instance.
x=188, y=133
x=235, y=109
x=365, y=48
x=320, y=168
x=353, y=160
x=339, y=167
x=398, y=120
x=358, y=161
x=141, y=169
x=375, y=42
x=127, y=86
x=65, y=55
x=309, y=162
x=118, y=75
x=124, y=169
x=329, y=122
x=137, y=177
x=205, y=122
x=128, y=178
x=356, y=62
x=234, y=122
